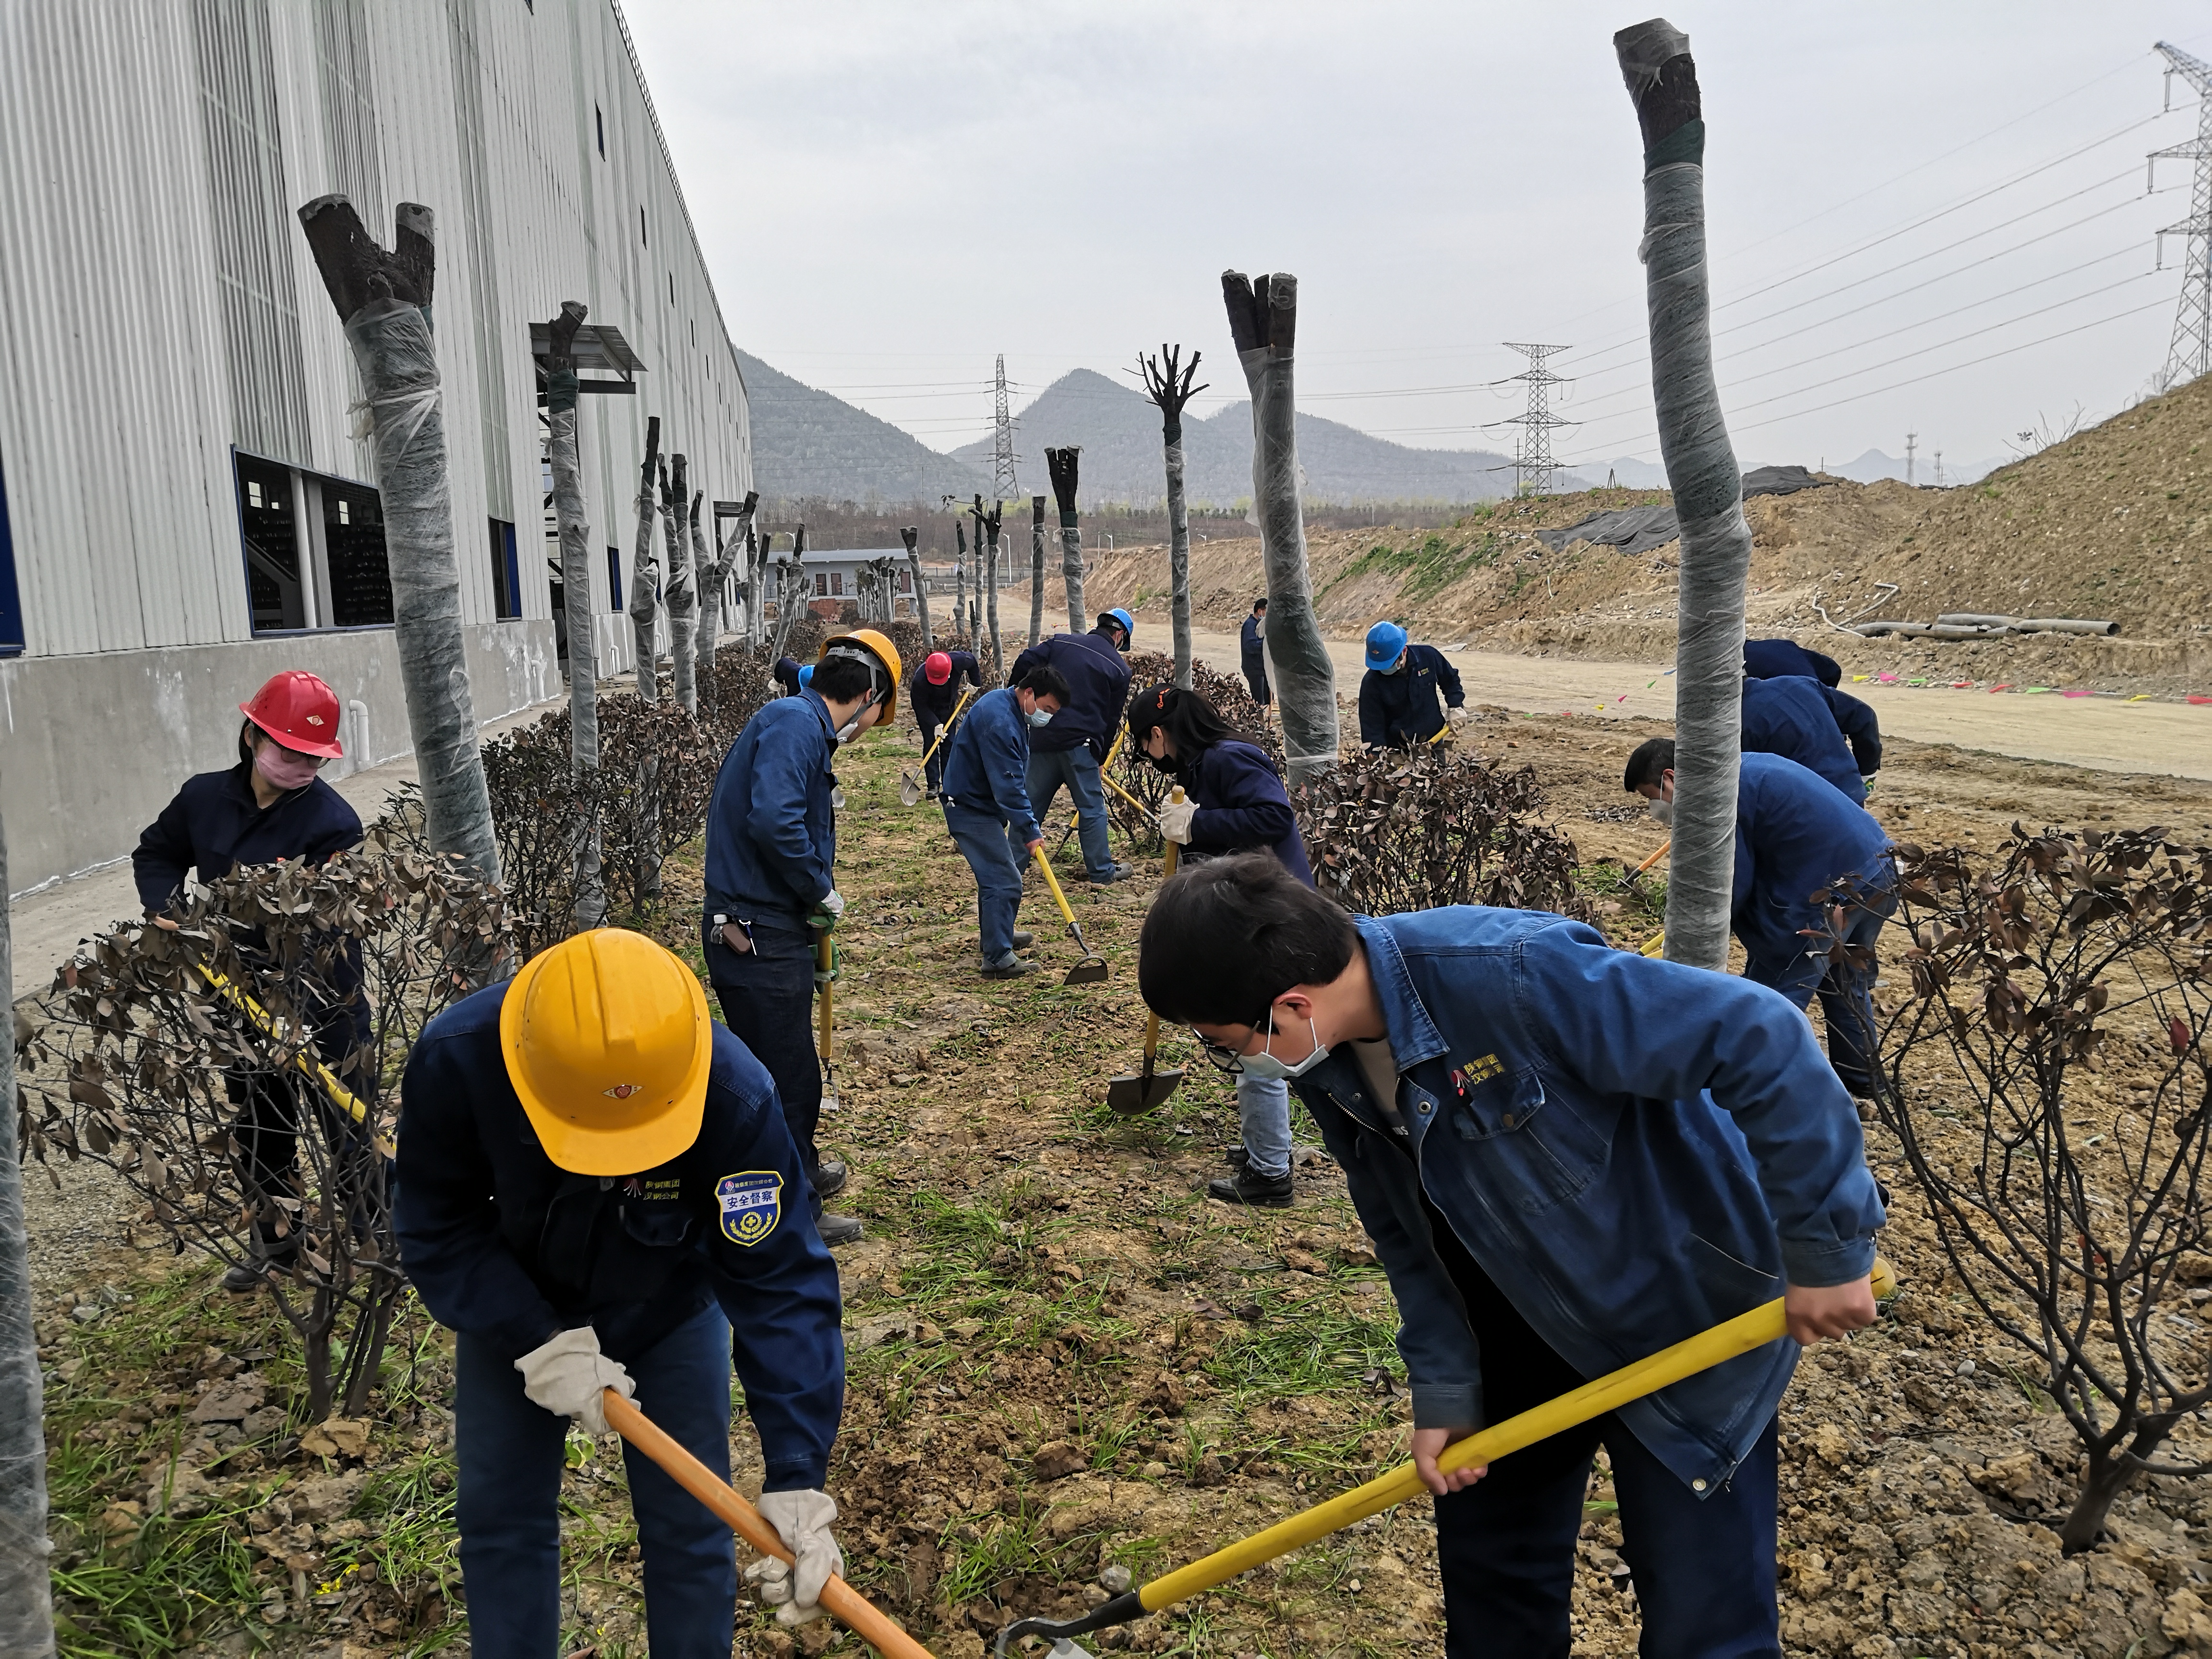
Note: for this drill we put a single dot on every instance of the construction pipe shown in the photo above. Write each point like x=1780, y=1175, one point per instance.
x=2031, y=624
x=1929, y=631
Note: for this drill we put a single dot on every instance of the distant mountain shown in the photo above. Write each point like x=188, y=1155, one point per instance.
x=1874, y=466
x=1118, y=429
x=807, y=443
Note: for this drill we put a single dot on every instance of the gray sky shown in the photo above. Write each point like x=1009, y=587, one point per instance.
x=890, y=193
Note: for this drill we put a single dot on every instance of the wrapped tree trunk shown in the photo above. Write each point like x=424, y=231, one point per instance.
x=380, y=299
x=591, y=904
x=791, y=590
x=707, y=571
x=1172, y=393
x=1263, y=320
x=1036, y=568
x=682, y=592
x=644, y=574
x=755, y=592
x=988, y=523
x=1061, y=463
x=911, y=535
x=960, y=579
x=26, y=1603
x=1701, y=469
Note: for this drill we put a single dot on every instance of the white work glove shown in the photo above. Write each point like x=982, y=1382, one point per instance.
x=1175, y=821
x=802, y=1519
x=1457, y=717
x=834, y=903
x=566, y=1375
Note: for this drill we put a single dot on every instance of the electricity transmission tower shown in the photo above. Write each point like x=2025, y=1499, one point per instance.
x=1533, y=464
x=2191, y=354
x=1003, y=487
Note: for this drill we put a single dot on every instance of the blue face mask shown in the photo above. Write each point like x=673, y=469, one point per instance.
x=1039, y=718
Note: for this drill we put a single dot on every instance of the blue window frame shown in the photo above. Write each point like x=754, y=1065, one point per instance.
x=11, y=608
x=614, y=578
x=506, y=572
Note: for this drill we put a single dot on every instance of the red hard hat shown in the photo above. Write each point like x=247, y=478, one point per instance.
x=937, y=668
x=299, y=711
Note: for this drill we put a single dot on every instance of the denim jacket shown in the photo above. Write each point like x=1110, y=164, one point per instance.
x=772, y=820
x=1632, y=1150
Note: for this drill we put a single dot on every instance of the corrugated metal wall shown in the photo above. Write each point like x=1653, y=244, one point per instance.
x=161, y=307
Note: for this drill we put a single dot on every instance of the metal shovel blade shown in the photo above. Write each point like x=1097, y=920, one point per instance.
x=1064, y=1648
x=1089, y=971
x=1127, y=1096
x=909, y=790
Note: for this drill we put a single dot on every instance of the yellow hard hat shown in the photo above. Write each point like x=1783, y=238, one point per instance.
x=608, y=1044
x=877, y=645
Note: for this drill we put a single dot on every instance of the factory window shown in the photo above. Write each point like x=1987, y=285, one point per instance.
x=506, y=572
x=313, y=549
x=11, y=608
x=599, y=120
x=821, y=586
x=614, y=578
x=671, y=288
x=642, y=241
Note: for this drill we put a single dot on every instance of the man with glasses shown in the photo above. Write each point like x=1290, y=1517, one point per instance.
x=1568, y=1156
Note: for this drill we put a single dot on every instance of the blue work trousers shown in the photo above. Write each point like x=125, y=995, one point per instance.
x=511, y=1454
x=1846, y=992
x=1078, y=769
x=1263, y=1111
x=987, y=842
x=933, y=767
x=767, y=995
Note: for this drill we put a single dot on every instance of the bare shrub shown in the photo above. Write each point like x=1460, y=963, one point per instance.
x=2067, y=964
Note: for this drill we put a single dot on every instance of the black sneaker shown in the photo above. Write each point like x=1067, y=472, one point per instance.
x=837, y=1229
x=249, y=1275
x=830, y=1179
x=1015, y=968
x=1112, y=874
x=1266, y=1191
x=1238, y=1159
x=1023, y=939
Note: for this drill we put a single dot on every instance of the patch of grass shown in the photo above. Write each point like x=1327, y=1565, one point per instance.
x=1424, y=566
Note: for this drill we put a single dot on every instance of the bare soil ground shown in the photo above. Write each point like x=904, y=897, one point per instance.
x=1064, y=1360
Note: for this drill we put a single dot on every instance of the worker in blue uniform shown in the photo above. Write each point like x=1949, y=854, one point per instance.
x=1234, y=802
x=1069, y=751
x=771, y=880
x=1409, y=692
x=1793, y=717
x=1568, y=1156
x=987, y=806
x=1252, y=652
x=1804, y=860
x=1768, y=660
x=791, y=676
x=272, y=805
x=597, y=1190
x=933, y=694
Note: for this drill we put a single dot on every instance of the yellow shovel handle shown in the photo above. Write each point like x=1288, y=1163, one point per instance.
x=825, y=958
x=946, y=730
x=315, y=1070
x=1125, y=795
x=1657, y=946
x=1664, y=847
x=1724, y=1342
x=1053, y=882
x=1152, y=1020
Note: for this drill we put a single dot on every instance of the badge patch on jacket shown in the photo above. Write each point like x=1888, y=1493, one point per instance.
x=752, y=1203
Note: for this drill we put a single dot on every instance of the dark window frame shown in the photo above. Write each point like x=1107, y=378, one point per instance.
x=506, y=571
x=237, y=452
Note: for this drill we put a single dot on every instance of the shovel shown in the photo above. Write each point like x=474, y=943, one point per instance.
x=1128, y=1096
x=910, y=786
x=825, y=962
x=1724, y=1341
x=844, y=1603
x=1092, y=968
x=1637, y=874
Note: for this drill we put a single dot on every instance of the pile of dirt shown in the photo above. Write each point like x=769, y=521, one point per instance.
x=2115, y=522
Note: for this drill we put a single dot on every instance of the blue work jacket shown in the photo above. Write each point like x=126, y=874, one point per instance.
x=1768, y=660
x=1631, y=1149
x=503, y=1243
x=1861, y=729
x=214, y=825
x=771, y=824
x=1098, y=690
x=1789, y=717
x=1401, y=710
x=987, y=764
x=1251, y=649
x=1793, y=837
x=1240, y=805
x=931, y=704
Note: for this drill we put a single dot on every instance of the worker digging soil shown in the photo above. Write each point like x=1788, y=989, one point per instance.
x=1410, y=694
x=986, y=807
x=1070, y=750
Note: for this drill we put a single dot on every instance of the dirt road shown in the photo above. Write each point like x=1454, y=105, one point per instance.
x=2104, y=733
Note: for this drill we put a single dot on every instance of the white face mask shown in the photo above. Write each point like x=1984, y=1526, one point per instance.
x=1039, y=718
x=1661, y=809
x=1265, y=1065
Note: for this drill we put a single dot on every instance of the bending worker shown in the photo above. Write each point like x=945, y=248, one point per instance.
x=1252, y=651
x=1795, y=839
x=934, y=693
x=1399, y=707
x=1769, y=659
x=1236, y=803
x=1568, y=1156
x=1825, y=730
x=271, y=805
x=595, y=1191
x=1070, y=750
x=986, y=807
x=771, y=880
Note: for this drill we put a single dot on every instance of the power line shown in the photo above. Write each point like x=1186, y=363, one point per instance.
x=2190, y=353
x=1533, y=464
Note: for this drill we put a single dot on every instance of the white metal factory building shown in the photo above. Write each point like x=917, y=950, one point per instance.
x=184, y=509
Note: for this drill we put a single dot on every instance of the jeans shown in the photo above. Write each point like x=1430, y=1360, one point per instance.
x=1704, y=1563
x=511, y=1456
x=1846, y=992
x=1078, y=769
x=1263, y=1108
x=987, y=843
x=932, y=769
x=768, y=998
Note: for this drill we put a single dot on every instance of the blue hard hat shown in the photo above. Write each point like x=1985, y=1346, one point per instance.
x=806, y=677
x=1127, y=623
x=1384, y=642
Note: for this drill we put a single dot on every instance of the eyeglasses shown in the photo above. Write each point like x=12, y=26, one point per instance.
x=1220, y=1055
